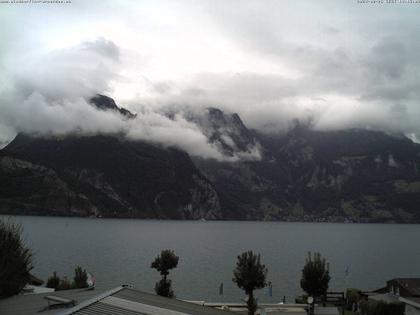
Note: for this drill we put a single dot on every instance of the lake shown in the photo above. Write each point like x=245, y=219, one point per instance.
x=120, y=251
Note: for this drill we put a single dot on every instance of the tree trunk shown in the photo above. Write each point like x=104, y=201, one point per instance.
x=251, y=304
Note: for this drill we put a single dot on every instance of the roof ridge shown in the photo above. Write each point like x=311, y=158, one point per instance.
x=92, y=300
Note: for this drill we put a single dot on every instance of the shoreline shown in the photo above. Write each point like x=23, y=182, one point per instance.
x=206, y=220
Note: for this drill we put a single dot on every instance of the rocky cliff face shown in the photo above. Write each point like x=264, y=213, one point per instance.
x=229, y=134
x=307, y=175
x=300, y=175
x=28, y=188
x=102, y=175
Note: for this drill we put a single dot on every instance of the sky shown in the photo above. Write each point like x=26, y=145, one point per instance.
x=342, y=64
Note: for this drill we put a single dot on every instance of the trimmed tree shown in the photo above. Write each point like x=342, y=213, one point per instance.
x=315, y=276
x=164, y=262
x=15, y=259
x=250, y=275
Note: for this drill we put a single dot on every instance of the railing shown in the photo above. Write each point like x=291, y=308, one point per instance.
x=336, y=298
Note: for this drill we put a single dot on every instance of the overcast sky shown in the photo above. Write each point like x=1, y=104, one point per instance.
x=342, y=63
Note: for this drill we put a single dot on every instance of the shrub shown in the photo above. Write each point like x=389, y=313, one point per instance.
x=164, y=288
x=65, y=284
x=372, y=307
x=352, y=296
x=396, y=308
x=302, y=299
x=53, y=281
x=15, y=259
x=80, y=278
x=79, y=281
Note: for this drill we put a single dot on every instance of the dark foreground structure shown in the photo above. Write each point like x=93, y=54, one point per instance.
x=121, y=300
x=126, y=300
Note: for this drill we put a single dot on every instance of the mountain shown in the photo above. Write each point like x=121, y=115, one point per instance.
x=228, y=133
x=105, y=103
x=300, y=175
x=102, y=175
x=308, y=175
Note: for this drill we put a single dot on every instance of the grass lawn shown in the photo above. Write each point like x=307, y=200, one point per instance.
x=346, y=312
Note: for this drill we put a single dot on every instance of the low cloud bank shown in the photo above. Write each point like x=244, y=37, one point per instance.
x=50, y=96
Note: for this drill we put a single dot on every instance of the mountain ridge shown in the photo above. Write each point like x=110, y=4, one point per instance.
x=352, y=175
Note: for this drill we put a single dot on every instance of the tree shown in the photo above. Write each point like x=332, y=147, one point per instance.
x=250, y=275
x=164, y=262
x=15, y=259
x=80, y=278
x=315, y=276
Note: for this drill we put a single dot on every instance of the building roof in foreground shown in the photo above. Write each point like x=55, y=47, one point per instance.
x=385, y=297
x=128, y=301
x=121, y=301
x=412, y=285
x=25, y=304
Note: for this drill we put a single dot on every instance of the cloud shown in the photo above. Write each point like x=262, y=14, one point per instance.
x=47, y=93
x=50, y=96
x=358, y=65
x=340, y=64
x=78, y=71
x=176, y=132
x=102, y=47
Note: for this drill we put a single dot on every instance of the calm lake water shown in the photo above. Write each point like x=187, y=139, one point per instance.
x=119, y=251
